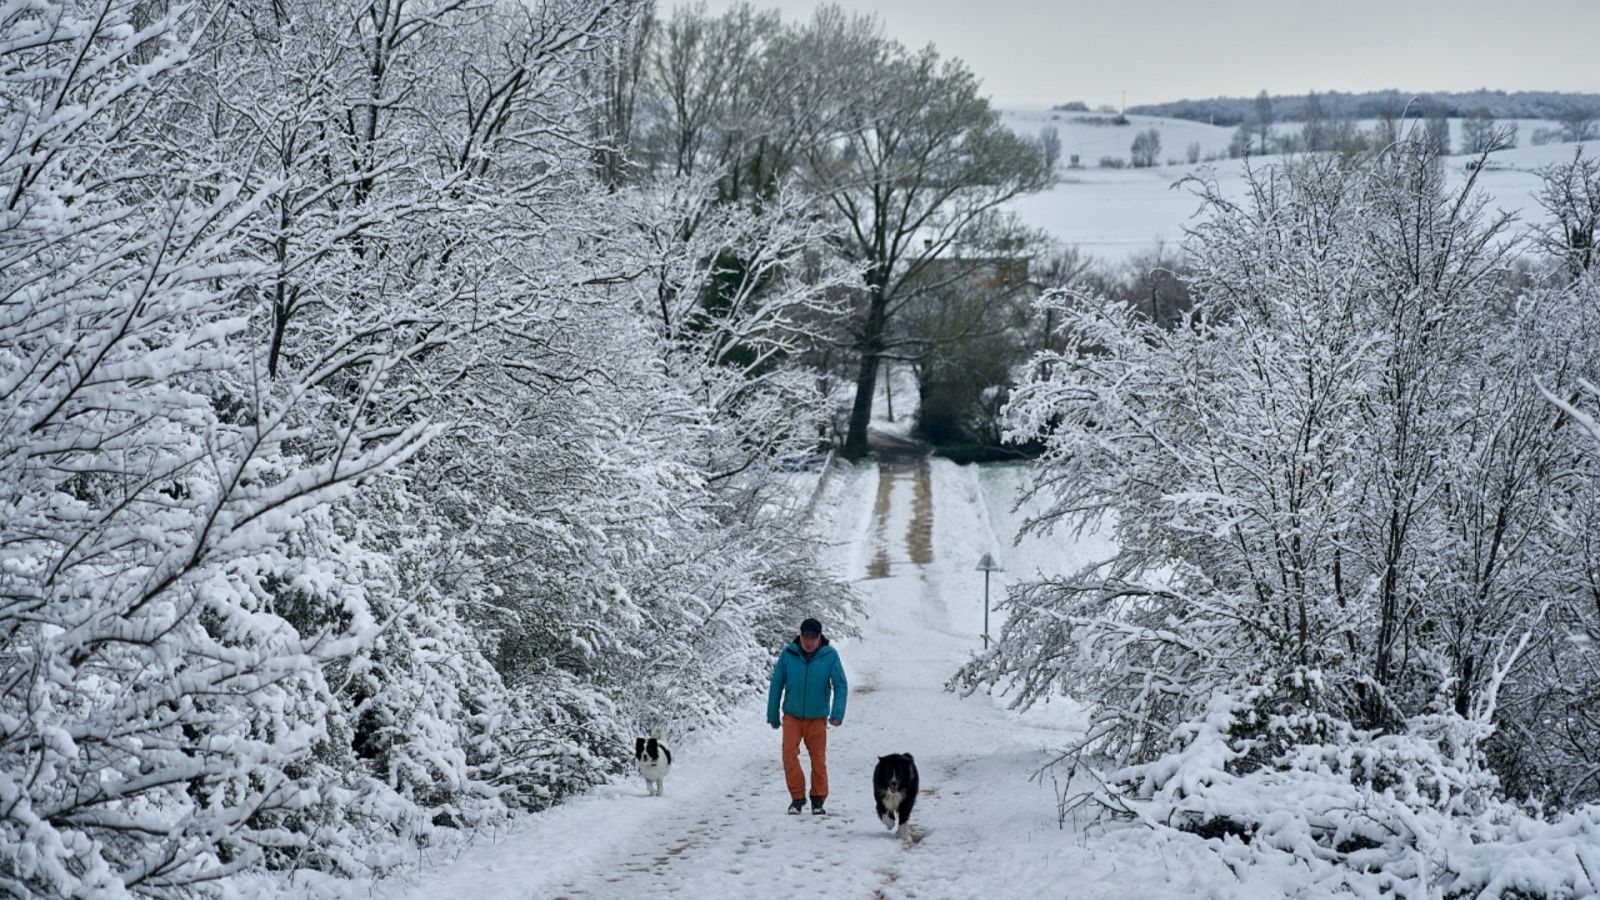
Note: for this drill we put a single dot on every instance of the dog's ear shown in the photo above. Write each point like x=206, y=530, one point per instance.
x=638, y=747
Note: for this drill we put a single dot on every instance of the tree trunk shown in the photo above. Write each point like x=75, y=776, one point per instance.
x=855, y=442
x=888, y=391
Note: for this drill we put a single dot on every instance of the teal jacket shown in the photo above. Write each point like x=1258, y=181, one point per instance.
x=805, y=685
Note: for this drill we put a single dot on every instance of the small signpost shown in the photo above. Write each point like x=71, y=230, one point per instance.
x=986, y=565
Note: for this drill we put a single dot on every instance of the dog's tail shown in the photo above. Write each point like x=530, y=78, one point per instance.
x=656, y=734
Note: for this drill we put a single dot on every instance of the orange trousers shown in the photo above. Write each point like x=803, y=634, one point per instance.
x=815, y=734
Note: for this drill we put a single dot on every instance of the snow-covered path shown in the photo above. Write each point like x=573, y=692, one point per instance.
x=982, y=827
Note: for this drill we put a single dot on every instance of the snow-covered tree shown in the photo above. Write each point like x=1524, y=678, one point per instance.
x=1570, y=195
x=1333, y=485
x=1353, y=536
x=160, y=713
x=352, y=481
x=1146, y=148
x=921, y=169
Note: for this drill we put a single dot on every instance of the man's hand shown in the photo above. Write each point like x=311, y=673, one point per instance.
x=836, y=722
x=774, y=725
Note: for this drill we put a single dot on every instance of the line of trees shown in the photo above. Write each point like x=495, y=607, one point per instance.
x=1481, y=129
x=389, y=392
x=899, y=147
x=371, y=434
x=1356, y=496
x=1228, y=111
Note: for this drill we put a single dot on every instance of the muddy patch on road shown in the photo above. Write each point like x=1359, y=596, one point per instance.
x=919, y=534
x=914, y=471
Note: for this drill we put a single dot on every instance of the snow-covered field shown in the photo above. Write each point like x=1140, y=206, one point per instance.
x=1116, y=213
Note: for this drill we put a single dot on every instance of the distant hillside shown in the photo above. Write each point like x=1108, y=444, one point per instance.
x=1379, y=104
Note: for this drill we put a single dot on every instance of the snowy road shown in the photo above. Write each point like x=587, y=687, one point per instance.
x=982, y=827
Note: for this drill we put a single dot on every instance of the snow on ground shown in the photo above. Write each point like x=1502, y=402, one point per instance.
x=985, y=826
x=897, y=387
x=1085, y=135
x=1114, y=214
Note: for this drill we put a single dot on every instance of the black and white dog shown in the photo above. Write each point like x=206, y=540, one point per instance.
x=654, y=760
x=894, y=786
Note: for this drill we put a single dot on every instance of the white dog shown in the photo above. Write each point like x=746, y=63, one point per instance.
x=654, y=760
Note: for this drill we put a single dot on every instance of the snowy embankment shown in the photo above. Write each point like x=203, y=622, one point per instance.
x=984, y=826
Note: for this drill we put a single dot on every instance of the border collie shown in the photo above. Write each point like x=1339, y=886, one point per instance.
x=894, y=786
x=654, y=760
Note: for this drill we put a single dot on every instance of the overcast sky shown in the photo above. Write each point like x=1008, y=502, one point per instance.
x=1043, y=52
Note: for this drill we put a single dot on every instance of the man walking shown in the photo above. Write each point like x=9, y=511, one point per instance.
x=809, y=681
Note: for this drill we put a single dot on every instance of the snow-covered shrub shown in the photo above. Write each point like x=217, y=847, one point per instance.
x=1548, y=744
x=1412, y=812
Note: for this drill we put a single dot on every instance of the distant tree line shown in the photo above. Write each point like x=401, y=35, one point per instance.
x=1377, y=104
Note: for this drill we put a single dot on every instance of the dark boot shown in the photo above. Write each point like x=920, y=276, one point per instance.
x=795, y=806
x=816, y=806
